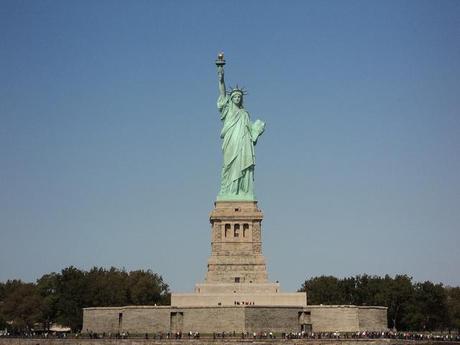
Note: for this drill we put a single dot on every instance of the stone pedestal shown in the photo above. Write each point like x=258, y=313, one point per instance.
x=237, y=273
x=236, y=244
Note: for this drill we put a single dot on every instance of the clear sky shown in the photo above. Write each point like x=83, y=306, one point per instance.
x=110, y=149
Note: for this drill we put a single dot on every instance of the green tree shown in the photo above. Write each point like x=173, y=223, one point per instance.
x=324, y=290
x=22, y=305
x=3, y=323
x=419, y=306
x=347, y=288
x=107, y=287
x=2, y=298
x=146, y=287
x=427, y=310
x=47, y=287
x=2, y=291
x=70, y=289
x=453, y=304
x=398, y=296
x=369, y=290
x=60, y=297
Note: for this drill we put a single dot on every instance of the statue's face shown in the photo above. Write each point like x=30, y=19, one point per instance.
x=236, y=98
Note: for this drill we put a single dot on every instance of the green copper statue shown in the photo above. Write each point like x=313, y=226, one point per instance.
x=239, y=138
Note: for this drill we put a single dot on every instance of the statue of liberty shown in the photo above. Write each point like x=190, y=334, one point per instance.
x=239, y=138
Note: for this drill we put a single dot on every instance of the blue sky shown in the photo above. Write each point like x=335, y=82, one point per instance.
x=110, y=149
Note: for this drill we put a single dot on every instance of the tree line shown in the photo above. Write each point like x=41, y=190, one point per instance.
x=412, y=306
x=60, y=297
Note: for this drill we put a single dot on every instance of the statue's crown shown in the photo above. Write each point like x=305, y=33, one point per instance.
x=237, y=89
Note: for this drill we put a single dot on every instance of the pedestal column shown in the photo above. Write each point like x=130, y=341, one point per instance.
x=236, y=244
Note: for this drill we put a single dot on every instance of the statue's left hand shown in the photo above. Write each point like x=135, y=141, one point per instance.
x=257, y=128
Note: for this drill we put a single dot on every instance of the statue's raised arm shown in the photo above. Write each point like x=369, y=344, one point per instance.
x=220, y=63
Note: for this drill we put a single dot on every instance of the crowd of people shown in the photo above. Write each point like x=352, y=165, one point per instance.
x=248, y=335
x=373, y=335
x=294, y=335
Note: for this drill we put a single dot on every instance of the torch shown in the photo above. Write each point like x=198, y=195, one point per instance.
x=220, y=63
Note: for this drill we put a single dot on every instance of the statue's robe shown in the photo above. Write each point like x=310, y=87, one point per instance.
x=239, y=136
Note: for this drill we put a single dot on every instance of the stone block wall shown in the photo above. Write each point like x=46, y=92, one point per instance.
x=153, y=319
x=347, y=318
x=333, y=318
x=211, y=319
x=265, y=319
x=238, y=288
x=101, y=320
x=146, y=319
x=132, y=319
x=263, y=299
x=372, y=318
